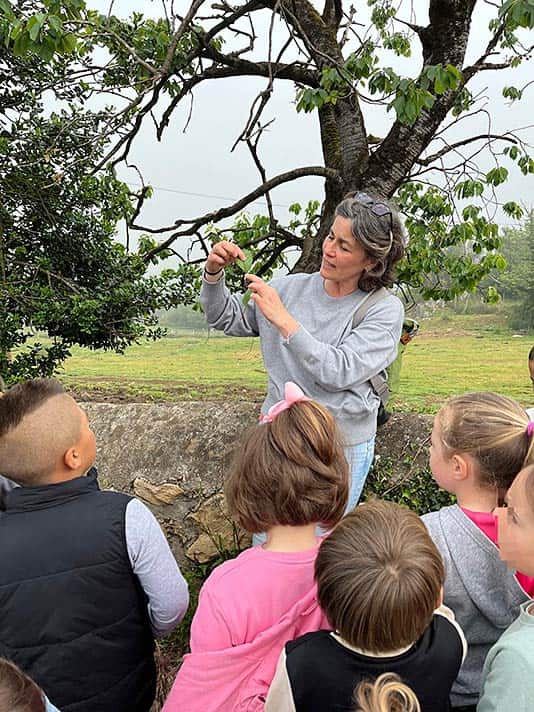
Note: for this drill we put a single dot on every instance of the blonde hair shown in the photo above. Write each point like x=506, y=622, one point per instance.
x=386, y=694
x=493, y=430
x=18, y=692
x=379, y=577
x=291, y=471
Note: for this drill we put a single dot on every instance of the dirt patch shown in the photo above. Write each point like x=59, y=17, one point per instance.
x=166, y=391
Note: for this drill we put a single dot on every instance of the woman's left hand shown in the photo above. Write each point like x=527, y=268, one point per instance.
x=269, y=303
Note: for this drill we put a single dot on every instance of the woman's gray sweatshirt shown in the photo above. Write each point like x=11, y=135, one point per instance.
x=483, y=594
x=329, y=359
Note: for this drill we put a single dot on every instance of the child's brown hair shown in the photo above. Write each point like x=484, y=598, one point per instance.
x=493, y=430
x=18, y=692
x=379, y=577
x=386, y=694
x=38, y=423
x=291, y=471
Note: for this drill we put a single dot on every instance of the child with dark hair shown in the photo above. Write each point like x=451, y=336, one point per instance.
x=289, y=475
x=379, y=581
x=479, y=443
x=18, y=693
x=87, y=577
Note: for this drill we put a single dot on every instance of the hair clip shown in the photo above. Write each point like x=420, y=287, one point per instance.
x=292, y=394
x=530, y=428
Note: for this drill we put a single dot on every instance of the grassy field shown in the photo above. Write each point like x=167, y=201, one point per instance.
x=450, y=355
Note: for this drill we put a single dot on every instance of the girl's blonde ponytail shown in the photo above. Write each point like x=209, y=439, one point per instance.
x=386, y=694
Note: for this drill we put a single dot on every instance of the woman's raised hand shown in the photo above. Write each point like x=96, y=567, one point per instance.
x=222, y=254
x=269, y=303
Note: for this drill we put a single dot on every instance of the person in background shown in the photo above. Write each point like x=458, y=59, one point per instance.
x=478, y=445
x=87, y=577
x=289, y=474
x=379, y=582
x=530, y=411
x=306, y=321
x=409, y=331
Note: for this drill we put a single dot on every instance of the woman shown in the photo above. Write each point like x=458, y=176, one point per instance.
x=305, y=321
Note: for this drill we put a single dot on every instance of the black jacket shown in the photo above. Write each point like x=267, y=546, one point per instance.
x=323, y=673
x=73, y=614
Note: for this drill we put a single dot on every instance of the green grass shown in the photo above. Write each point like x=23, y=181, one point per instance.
x=451, y=354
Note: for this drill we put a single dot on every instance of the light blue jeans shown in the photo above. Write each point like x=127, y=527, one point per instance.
x=360, y=459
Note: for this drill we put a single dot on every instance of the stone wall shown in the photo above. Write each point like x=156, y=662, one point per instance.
x=173, y=457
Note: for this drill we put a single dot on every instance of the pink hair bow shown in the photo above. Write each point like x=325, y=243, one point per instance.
x=530, y=428
x=292, y=394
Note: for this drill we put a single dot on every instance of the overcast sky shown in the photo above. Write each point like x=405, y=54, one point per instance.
x=194, y=172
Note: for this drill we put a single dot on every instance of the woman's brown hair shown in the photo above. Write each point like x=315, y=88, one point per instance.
x=18, y=693
x=379, y=577
x=291, y=471
x=493, y=430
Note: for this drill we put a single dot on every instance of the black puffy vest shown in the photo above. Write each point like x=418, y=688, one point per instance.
x=72, y=613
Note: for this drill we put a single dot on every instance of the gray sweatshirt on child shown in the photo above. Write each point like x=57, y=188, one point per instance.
x=483, y=594
x=329, y=359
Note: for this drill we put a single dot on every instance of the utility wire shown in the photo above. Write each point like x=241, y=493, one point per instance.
x=200, y=195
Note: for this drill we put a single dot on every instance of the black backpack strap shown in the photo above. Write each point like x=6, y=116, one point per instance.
x=379, y=382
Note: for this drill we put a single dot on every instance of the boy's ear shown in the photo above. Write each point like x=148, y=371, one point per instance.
x=462, y=466
x=71, y=458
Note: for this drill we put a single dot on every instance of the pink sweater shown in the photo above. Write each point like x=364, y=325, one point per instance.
x=248, y=609
x=487, y=522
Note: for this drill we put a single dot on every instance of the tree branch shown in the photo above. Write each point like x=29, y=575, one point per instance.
x=216, y=215
x=428, y=160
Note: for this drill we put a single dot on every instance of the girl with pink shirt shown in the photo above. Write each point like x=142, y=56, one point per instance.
x=479, y=443
x=288, y=475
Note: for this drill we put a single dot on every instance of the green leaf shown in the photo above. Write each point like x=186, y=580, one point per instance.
x=497, y=176
x=7, y=9
x=34, y=25
x=500, y=263
x=20, y=46
x=246, y=265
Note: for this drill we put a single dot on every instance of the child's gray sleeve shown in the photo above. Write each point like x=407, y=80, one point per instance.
x=155, y=566
x=5, y=488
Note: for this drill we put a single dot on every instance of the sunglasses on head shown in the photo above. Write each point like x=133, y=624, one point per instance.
x=377, y=207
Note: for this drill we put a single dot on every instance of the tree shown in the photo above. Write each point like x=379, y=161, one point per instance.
x=429, y=160
x=61, y=270
x=516, y=282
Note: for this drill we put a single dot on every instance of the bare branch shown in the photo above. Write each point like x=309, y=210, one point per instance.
x=216, y=215
x=184, y=25
x=453, y=146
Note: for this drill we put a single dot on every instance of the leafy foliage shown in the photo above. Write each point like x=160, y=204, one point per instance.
x=62, y=272
x=516, y=282
x=419, y=491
